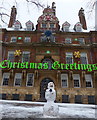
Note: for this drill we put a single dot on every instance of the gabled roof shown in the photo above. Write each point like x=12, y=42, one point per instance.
x=29, y=23
x=78, y=24
x=66, y=24
x=17, y=22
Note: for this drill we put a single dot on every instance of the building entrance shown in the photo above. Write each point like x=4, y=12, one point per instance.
x=43, y=87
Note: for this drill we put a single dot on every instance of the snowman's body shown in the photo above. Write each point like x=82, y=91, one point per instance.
x=50, y=108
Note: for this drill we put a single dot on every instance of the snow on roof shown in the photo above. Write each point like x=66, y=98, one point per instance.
x=70, y=30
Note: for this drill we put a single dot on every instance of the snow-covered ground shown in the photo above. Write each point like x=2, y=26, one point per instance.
x=23, y=109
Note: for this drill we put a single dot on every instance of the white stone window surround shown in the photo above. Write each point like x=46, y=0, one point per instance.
x=11, y=56
x=6, y=75
x=43, y=25
x=27, y=54
x=13, y=39
x=81, y=40
x=50, y=25
x=84, y=55
x=17, y=26
x=78, y=29
x=32, y=80
x=66, y=28
x=18, y=79
x=64, y=77
x=68, y=40
x=29, y=26
x=69, y=55
x=27, y=39
x=76, y=77
x=88, y=78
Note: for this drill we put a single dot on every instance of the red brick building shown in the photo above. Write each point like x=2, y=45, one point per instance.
x=47, y=43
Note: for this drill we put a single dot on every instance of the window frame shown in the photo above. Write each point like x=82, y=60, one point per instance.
x=43, y=26
x=76, y=77
x=83, y=55
x=11, y=57
x=25, y=40
x=15, y=79
x=91, y=80
x=68, y=53
x=27, y=80
x=66, y=28
x=82, y=39
x=29, y=27
x=3, y=78
x=78, y=28
x=66, y=76
x=70, y=41
x=51, y=26
x=17, y=26
x=13, y=37
x=23, y=57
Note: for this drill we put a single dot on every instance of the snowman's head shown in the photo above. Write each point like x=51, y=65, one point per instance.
x=51, y=85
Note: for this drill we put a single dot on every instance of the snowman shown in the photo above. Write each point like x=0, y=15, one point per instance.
x=50, y=108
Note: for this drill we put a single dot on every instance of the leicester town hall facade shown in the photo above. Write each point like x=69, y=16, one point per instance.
x=50, y=45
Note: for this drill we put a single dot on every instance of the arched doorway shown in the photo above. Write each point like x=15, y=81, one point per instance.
x=43, y=87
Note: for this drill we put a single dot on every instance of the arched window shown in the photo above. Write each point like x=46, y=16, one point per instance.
x=49, y=61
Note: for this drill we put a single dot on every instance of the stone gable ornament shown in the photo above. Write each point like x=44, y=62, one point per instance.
x=50, y=109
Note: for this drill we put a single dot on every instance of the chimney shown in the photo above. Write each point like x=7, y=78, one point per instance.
x=96, y=15
x=54, y=8
x=82, y=18
x=12, y=16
